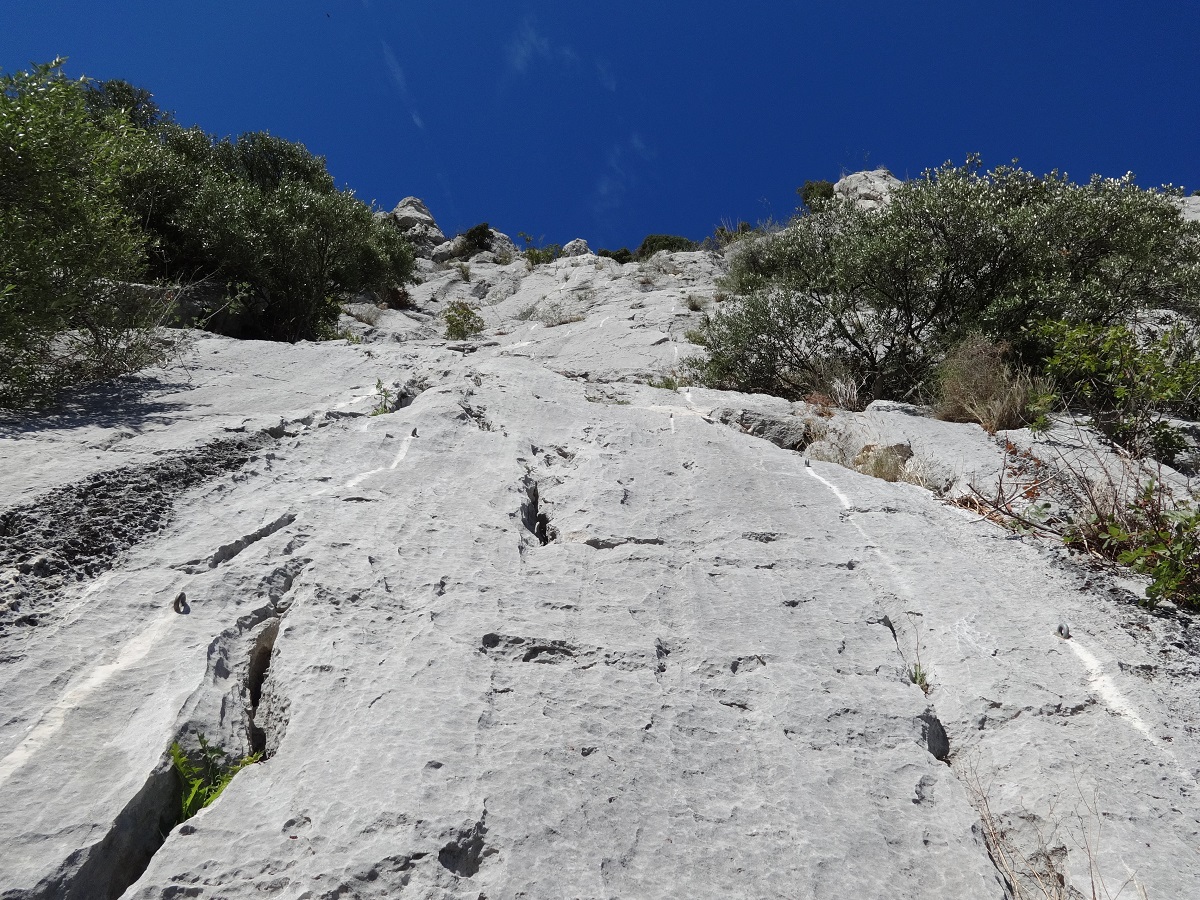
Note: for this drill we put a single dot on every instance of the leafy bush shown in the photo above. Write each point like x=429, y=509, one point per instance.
x=477, y=239
x=1161, y=540
x=1126, y=384
x=881, y=294
x=539, y=256
x=204, y=781
x=462, y=321
x=101, y=188
x=262, y=215
x=67, y=244
x=672, y=243
x=976, y=385
x=1109, y=507
x=622, y=256
x=815, y=194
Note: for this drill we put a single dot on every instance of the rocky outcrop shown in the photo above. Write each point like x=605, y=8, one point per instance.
x=502, y=249
x=416, y=223
x=577, y=247
x=506, y=620
x=869, y=190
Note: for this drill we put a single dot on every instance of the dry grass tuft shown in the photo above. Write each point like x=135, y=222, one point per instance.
x=976, y=385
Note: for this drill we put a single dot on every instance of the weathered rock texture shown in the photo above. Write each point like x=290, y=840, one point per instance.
x=870, y=190
x=538, y=629
x=416, y=223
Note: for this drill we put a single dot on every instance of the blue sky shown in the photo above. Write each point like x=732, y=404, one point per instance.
x=611, y=120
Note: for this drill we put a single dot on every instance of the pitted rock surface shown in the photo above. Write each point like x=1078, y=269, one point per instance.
x=539, y=629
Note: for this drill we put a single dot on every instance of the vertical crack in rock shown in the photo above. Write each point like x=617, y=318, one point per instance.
x=465, y=851
x=933, y=733
x=105, y=869
x=260, y=662
x=535, y=520
x=77, y=531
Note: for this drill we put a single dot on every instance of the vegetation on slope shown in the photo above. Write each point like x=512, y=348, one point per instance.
x=101, y=189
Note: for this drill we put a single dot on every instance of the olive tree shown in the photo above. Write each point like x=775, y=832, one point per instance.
x=878, y=296
x=68, y=246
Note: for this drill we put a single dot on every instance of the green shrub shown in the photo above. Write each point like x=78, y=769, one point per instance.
x=539, y=256
x=262, y=215
x=477, y=239
x=815, y=194
x=727, y=234
x=546, y=254
x=1159, y=540
x=1127, y=385
x=204, y=781
x=462, y=321
x=622, y=256
x=672, y=243
x=881, y=294
x=68, y=246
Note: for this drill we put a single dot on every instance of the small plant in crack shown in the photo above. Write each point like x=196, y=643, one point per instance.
x=917, y=673
x=203, y=781
x=668, y=382
x=383, y=398
x=462, y=321
x=918, y=676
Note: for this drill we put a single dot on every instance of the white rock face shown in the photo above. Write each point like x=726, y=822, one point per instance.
x=538, y=629
x=869, y=190
x=416, y=223
x=577, y=247
x=1190, y=207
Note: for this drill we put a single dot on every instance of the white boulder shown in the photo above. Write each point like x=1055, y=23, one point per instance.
x=870, y=190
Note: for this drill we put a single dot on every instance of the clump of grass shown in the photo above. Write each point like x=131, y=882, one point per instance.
x=203, y=781
x=667, y=382
x=884, y=463
x=464, y=271
x=694, y=304
x=918, y=676
x=976, y=385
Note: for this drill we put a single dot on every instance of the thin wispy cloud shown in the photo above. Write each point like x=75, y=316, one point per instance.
x=401, y=82
x=604, y=73
x=393, y=65
x=529, y=45
x=614, y=181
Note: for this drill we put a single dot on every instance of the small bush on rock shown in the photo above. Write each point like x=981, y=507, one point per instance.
x=622, y=256
x=536, y=256
x=672, y=243
x=540, y=256
x=815, y=194
x=1128, y=385
x=462, y=321
x=477, y=239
